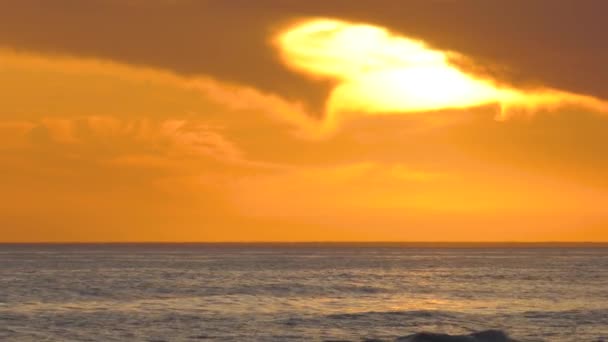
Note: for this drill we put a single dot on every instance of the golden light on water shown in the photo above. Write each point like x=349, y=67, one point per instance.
x=379, y=72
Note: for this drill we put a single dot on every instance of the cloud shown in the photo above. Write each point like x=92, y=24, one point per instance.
x=186, y=40
x=132, y=86
x=378, y=73
x=169, y=138
x=96, y=149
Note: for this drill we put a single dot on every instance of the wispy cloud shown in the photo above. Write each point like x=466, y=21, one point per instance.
x=229, y=96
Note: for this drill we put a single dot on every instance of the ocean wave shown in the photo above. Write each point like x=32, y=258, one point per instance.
x=481, y=336
x=400, y=314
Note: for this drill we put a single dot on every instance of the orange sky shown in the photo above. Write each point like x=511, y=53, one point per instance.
x=282, y=121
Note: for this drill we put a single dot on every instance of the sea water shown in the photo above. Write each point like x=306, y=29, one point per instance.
x=299, y=292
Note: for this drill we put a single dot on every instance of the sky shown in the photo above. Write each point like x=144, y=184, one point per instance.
x=280, y=120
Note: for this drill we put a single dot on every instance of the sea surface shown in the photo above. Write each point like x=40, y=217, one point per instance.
x=299, y=292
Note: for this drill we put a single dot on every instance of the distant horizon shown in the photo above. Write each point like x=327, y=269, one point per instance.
x=383, y=243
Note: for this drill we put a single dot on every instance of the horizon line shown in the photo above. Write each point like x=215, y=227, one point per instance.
x=311, y=242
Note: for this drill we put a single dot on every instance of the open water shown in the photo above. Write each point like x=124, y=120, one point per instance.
x=309, y=292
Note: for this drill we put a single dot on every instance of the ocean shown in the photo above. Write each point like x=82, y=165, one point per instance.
x=300, y=292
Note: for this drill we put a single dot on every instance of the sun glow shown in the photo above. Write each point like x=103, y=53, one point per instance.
x=378, y=72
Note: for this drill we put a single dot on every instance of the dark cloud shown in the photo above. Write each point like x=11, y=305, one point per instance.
x=557, y=43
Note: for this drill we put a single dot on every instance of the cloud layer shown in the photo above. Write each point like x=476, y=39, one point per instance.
x=175, y=132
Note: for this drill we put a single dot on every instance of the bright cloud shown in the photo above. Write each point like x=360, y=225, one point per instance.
x=378, y=72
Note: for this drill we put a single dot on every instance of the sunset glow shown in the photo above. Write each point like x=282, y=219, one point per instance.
x=321, y=128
